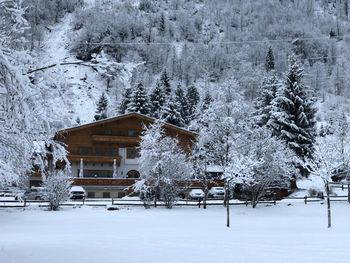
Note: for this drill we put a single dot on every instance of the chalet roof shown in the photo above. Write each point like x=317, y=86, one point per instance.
x=125, y=116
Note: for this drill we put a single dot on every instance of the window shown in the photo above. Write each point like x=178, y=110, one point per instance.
x=98, y=173
x=111, y=151
x=107, y=132
x=106, y=151
x=106, y=195
x=133, y=174
x=131, y=133
x=132, y=153
x=91, y=194
x=85, y=151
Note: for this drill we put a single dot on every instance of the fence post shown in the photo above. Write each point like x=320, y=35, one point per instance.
x=112, y=201
x=25, y=202
x=305, y=198
x=342, y=187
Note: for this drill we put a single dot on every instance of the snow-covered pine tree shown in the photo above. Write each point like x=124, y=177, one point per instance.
x=139, y=101
x=123, y=106
x=293, y=116
x=101, y=111
x=165, y=83
x=193, y=100
x=270, y=60
x=263, y=103
x=156, y=101
x=181, y=100
x=207, y=100
x=162, y=26
x=171, y=112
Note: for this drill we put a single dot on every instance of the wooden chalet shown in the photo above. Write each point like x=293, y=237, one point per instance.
x=104, y=154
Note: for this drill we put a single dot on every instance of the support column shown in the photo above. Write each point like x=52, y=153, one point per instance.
x=115, y=174
x=81, y=169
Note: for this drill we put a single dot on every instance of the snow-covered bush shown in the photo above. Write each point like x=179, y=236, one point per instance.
x=56, y=188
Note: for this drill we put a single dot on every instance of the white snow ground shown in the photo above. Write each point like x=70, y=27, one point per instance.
x=271, y=234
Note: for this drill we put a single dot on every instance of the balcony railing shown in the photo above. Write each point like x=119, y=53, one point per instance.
x=115, y=139
x=94, y=158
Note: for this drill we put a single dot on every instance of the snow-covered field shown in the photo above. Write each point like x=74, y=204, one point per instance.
x=280, y=233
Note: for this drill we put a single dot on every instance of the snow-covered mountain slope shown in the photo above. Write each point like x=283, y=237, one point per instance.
x=80, y=86
x=77, y=86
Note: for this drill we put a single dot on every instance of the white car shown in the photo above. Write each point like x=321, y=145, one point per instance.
x=217, y=192
x=196, y=194
x=6, y=196
x=77, y=192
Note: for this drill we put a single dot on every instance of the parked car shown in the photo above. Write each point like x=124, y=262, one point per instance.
x=6, y=196
x=217, y=192
x=197, y=194
x=77, y=192
x=33, y=193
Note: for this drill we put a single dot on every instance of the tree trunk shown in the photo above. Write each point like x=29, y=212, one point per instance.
x=348, y=191
x=227, y=207
x=155, y=196
x=328, y=206
x=205, y=198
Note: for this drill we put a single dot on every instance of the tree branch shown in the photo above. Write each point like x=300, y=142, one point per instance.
x=61, y=64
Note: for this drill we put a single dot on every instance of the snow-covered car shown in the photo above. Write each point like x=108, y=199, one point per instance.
x=217, y=192
x=197, y=194
x=77, y=192
x=6, y=196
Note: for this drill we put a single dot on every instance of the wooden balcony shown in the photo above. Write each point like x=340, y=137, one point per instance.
x=104, y=181
x=115, y=139
x=94, y=159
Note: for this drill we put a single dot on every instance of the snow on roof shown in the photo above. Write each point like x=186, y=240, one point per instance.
x=214, y=169
x=77, y=189
x=126, y=115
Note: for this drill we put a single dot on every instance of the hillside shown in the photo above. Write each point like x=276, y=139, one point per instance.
x=219, y=50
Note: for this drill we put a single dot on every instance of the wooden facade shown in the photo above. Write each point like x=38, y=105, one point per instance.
x=102, y=153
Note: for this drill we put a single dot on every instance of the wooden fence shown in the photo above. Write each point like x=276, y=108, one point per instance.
x=125, y=202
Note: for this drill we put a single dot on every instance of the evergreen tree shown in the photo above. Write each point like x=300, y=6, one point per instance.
x=193, y=100
x=162, y=26
x=157, y=101
x=293, y=116
x=139, y=102
x=270, y=60
x=125, y=101
x=263, y=103
x=181, y=100
x=165, y=83
x=206, y=102
x=101, y=112
x=172, y=112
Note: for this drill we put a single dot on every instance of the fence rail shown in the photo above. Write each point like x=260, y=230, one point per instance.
x=182, y=202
